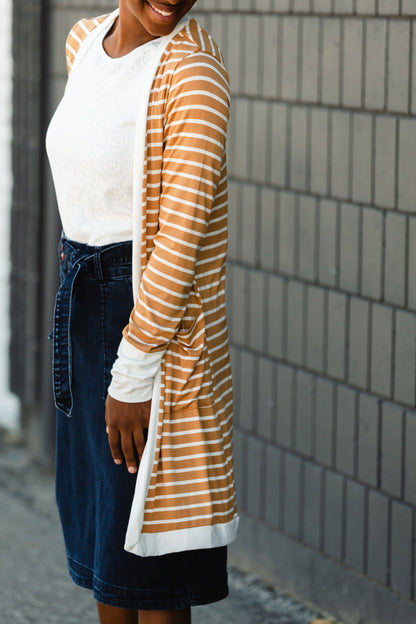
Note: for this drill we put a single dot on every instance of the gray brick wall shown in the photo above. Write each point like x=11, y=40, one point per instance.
x=321, y=286
x=322, y=152
x=26, y=202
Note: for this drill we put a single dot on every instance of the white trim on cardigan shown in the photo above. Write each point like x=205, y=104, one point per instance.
x=173, y=541
x=134, y=537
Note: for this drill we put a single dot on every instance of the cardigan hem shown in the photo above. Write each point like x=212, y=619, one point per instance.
x=149, y=544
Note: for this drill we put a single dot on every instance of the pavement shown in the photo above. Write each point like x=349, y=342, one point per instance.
x=34, y=584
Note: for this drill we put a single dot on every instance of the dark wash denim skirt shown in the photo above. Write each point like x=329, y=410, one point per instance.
x=94, y=495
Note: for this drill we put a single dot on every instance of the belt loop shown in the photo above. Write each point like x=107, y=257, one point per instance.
x=97, y=263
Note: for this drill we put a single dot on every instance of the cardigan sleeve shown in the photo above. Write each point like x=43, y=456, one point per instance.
x=77, y=35
x=73, y=42
x=195, y=131
x=133, y=373
x=194, y=146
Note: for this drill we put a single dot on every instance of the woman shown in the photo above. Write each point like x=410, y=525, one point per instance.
x=142, y=380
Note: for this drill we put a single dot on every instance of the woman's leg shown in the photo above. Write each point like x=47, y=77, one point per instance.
x=116, y=615
x=175, y=616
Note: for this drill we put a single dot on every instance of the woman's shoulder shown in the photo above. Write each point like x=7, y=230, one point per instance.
x=194, y=39
x=193, y=54
x=77, y=35
x=193, y=49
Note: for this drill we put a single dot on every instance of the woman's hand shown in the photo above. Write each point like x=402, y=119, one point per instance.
x=125, y=425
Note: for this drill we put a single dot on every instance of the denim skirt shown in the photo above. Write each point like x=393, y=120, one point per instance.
x=94, y=495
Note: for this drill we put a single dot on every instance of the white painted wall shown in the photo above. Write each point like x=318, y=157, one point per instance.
x=9, y=404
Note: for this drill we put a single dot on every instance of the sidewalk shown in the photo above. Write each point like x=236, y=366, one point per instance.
x=36, y=589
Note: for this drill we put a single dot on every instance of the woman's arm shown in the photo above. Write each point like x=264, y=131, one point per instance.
x=195, y=137
x=194, y=155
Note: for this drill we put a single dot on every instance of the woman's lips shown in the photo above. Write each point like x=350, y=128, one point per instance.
x=164, y=13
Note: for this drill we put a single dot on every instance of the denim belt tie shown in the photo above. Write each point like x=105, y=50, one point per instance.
x=103, y=262
x=62, y=354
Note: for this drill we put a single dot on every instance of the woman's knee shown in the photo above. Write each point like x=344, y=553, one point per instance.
x=174, y=616
x=116, y=615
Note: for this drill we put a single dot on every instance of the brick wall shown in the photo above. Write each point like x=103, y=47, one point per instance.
x=322, y=295
x=26, y=227
x=33, y=275
x=321, y=291
x=8, y=403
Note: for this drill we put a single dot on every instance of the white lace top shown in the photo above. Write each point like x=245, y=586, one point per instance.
x=90, y=145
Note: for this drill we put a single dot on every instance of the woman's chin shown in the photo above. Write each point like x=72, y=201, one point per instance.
x=166, y=18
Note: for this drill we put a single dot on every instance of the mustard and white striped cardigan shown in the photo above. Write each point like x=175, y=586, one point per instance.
x=185, y=495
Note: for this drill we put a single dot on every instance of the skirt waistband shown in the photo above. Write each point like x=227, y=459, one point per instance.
x=95, y=259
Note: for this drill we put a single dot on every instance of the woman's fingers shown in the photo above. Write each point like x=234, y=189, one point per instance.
x=139, y=442
x=123, y=445
x=125, y=423
x=114, y=442
x=127, y=446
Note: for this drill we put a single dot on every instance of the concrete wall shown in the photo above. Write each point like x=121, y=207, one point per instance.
x=8, y=402
x=322, y=291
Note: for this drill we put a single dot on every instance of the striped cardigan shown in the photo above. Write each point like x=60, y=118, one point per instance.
x=185, y=494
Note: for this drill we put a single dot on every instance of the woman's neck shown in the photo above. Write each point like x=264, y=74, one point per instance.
x=126, y=34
